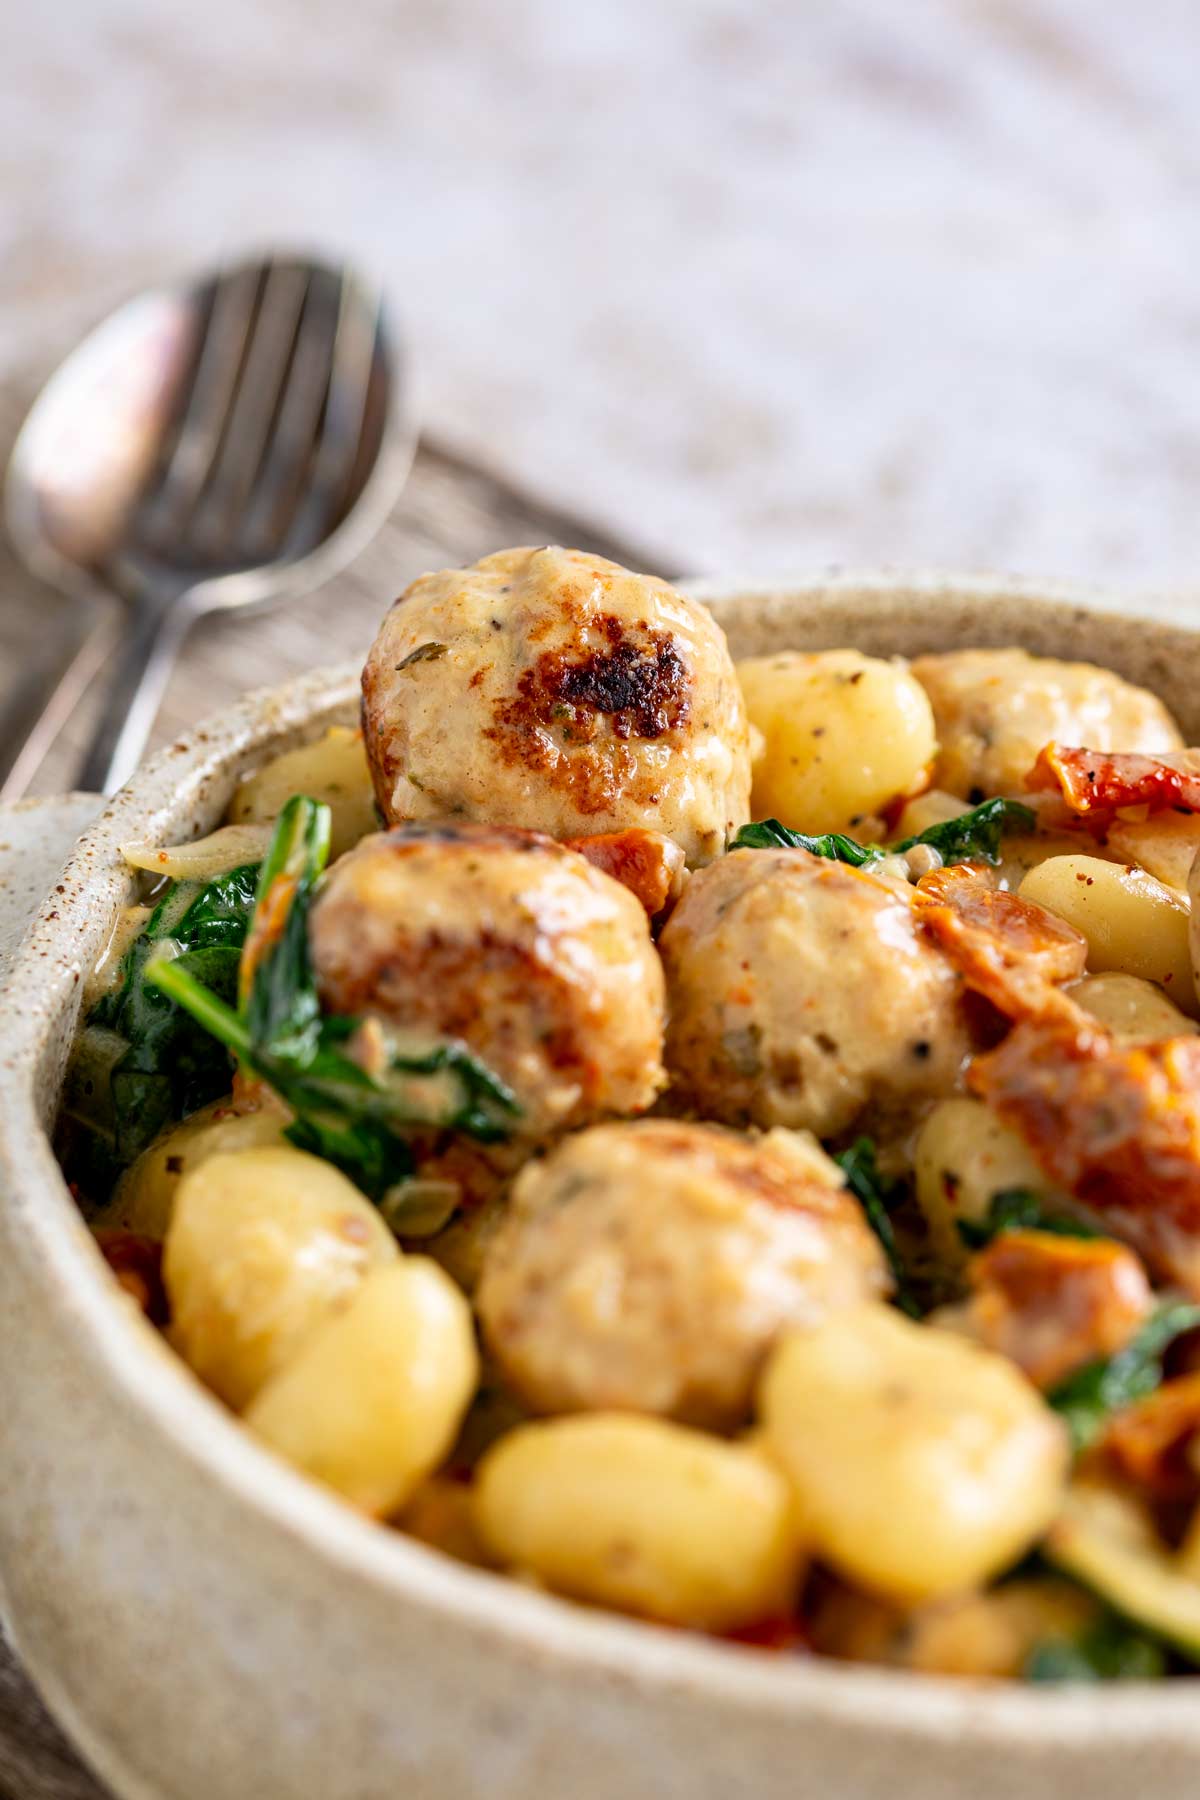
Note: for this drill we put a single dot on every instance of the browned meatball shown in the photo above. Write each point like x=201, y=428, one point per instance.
x=554, y=690
x=995, y=709
x=505, y=940
x=651, y=1266
x=802, y=994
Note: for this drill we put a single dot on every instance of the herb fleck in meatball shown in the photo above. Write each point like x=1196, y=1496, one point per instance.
x=553, y=690
x=995, y=709
x=651, y=1266
x=802, y=994
x=538, y=962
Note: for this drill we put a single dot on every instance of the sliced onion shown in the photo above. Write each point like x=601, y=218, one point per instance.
x=229, y=848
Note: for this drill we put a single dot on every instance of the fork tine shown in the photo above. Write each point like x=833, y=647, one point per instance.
x=174, y=422
x=226, y=332
x=218, y=517
x=356, y=346
x=283, y=474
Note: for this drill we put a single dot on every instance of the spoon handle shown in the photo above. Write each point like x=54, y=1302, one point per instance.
x=41, y=702
x=136, y=685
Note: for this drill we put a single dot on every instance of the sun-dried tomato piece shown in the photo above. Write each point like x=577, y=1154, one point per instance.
x=1153, y=1443
x=1097, y=783
x=1115, y=1124
x=647, y=863
x=1054, y=1303
x=1008, y=949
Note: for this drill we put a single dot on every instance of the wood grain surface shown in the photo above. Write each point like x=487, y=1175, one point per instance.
x=782, y=284
x=449, y=513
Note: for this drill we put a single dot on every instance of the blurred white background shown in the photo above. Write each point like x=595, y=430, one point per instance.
x=761, y=284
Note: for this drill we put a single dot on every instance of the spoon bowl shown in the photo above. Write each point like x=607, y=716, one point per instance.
x=228, y=443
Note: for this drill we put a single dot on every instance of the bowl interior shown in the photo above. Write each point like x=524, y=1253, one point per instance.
x=183, y=793
x=887, y=615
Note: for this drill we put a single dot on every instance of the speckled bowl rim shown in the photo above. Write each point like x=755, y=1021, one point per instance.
x=190, y=781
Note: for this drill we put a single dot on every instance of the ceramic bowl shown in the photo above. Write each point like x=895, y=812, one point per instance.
x=208, y=1625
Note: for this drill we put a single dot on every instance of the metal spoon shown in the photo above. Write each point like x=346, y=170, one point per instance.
x=222, y=445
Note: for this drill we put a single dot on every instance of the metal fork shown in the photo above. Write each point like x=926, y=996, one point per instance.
x=269, y=437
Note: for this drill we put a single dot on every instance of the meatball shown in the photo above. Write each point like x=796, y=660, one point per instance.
x=651, y=1266
x=802, y=994
x=538, y=962
x=557, y=691
x=995, y=709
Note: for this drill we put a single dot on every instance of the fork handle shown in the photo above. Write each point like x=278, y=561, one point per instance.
x=136, y=686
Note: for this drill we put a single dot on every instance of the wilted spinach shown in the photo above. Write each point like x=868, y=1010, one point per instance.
x=343, y=1112
x=878, y=1195
x=1017, y=1209
x=974, y=836
x=169, y=1067
x=971, y=837
x=1109, y=1650
x=1087, y=1398
x=769, y=834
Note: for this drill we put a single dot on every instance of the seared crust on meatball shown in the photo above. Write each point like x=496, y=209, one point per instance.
x=557, y=691
x=651, y=1266
x=802, y=994
x=538, y=962
x=996, y=709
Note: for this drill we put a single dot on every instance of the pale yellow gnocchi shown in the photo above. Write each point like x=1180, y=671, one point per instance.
x=262, y=1245
x=922, y=1465
x=842, y=735
x=1133, y=924
x=145, y=1195
x=933, y=807
x=831, y=1391
x=650, y=1517
x=1135, y=1010
x=962, y=1158
x=372, y=1400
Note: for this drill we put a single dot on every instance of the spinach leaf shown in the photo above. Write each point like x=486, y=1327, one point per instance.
x=1086, y=1398
x=877, y=1194
x=219, y=913
x=1016, y=1209
x=354, y=1118
x=278, y=987
x=1109, y=1650
x=769, y=834
x=974, y=836
x=170, y=1067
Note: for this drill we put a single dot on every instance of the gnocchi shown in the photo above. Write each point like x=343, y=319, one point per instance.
x=1133, y=924
x=145, y=1195
x=996, y=709
x=962, y=1158
x=371, y=1402
x=644, y=1125
x=842, y=735
x=1133, y=1009
x=262, y=1244
x=1165, y=845
x=922, y=1465
x=650, y=1517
